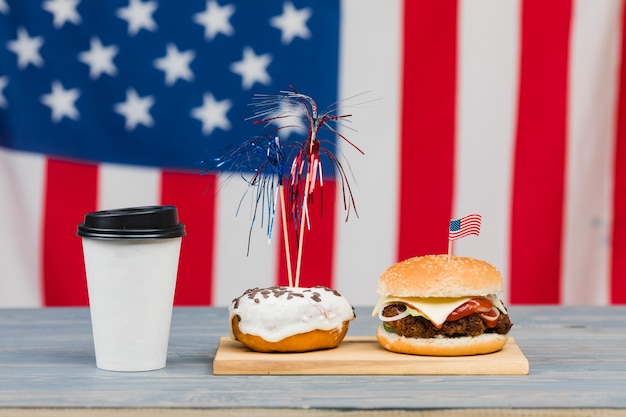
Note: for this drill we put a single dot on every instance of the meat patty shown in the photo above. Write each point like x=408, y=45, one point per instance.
x=472, y=325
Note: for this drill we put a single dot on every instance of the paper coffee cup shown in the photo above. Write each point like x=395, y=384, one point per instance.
x=131, y=260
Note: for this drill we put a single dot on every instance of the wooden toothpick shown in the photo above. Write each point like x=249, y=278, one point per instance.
x=283, y=214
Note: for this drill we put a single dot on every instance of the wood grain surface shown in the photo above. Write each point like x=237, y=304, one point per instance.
x=576, y=354
x=363, y=356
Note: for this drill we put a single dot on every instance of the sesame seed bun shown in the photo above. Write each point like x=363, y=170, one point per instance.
x=440, y=276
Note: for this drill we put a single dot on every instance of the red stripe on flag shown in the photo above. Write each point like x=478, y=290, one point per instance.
x=194, y=196
x=538, y=184
x=70, y=193
x=618, y=261
x=427, y=126
x=318, y=244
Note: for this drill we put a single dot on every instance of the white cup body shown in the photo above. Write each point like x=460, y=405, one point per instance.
x=131, y=286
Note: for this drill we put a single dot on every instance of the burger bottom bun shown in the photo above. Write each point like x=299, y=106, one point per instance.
x=441, y=346
x=302, y=342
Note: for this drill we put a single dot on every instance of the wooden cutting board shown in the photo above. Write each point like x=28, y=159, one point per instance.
x=364, y=356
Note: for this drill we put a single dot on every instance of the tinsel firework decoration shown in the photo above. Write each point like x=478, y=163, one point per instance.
x=265, y=158
x=261, y=164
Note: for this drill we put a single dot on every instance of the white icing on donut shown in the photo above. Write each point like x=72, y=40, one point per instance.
x=275, y=313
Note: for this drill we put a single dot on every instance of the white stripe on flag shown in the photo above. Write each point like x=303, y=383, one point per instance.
x=486, y=121
x=370, y=61
x=127, y=186
x=233, y=271
x=594, y=64
x=21, y=204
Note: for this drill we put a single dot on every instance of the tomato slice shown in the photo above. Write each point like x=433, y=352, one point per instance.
x=470, y=307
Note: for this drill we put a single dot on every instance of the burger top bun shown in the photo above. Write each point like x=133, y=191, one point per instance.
x=440, y=276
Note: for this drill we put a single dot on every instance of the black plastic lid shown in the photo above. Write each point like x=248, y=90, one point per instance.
x=149, y=222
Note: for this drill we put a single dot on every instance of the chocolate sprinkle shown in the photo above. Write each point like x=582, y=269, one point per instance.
x=279, y=291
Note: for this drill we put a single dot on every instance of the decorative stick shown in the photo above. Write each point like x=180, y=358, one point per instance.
x=283, y=214
x=305, y=214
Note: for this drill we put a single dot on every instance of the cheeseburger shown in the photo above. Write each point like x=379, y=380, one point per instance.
x=441, y=305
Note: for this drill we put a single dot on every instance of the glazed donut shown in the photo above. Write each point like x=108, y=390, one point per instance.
x=290, y=319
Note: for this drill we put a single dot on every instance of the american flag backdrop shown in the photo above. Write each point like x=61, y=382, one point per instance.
x=514, y=109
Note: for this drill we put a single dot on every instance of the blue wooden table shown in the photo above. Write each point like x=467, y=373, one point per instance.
x=577, y=361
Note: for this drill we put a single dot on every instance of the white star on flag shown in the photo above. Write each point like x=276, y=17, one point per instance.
x=4, y=81
x=61, y=102
x=99, y=58
x=175, y=64
x=215, y=19
x=136, y=110
x=252, y=68
x=4, y=7
x=139, y=16
x=292, y=23
x=291, y=120
x=212, y=114
x=26, y=48
x=63, y=11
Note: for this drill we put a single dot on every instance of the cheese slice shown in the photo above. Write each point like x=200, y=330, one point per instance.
x=435, y=309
